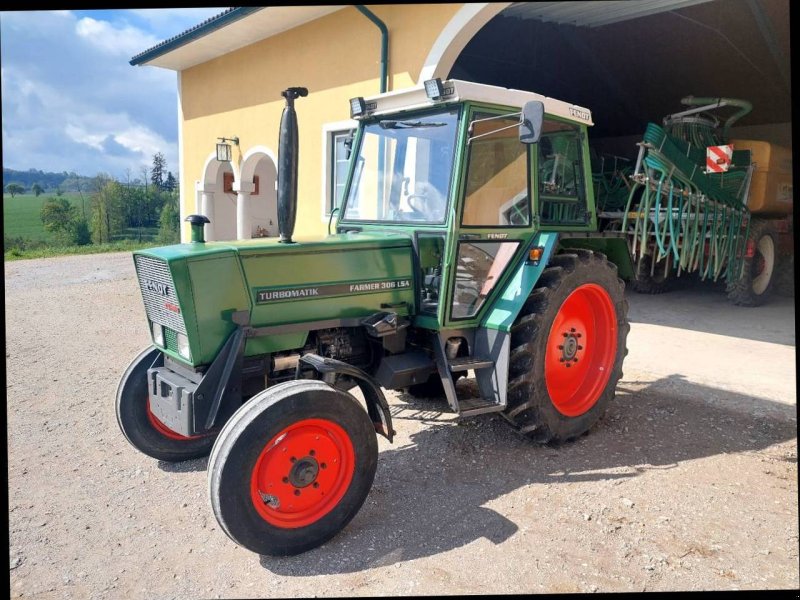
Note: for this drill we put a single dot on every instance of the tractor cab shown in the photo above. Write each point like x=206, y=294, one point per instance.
x=473, y=172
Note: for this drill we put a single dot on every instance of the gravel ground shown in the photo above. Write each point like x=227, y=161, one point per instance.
x=688, y=484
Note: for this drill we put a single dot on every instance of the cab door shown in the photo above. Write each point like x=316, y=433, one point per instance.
x=494, y=219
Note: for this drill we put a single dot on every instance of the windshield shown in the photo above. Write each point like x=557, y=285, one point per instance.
x=402, y=171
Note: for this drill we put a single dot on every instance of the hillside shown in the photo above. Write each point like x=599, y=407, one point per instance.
x=69, y=182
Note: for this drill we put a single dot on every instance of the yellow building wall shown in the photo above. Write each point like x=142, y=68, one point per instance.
x=337, y=57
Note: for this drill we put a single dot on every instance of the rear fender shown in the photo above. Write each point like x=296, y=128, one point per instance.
x=612, y=244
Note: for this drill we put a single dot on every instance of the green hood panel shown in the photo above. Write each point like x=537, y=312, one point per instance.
x=339, y=276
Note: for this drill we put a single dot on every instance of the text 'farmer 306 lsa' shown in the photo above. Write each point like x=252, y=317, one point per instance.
x=464, y=244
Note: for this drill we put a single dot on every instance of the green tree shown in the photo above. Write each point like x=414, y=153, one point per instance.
x=15, y=188
x=157, y=173
x=107, y=212
x=169, y=222
x=37, y=189
x=170, y=184
x=59, y=191
x=57, y=216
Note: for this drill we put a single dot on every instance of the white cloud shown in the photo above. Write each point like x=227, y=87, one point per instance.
x=125, y=40
x=138, y=138
x=80, y=135
x=71, y=101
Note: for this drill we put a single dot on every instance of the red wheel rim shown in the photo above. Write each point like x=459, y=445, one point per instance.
x=166, y=431
x=581, y=349
x=302, y=473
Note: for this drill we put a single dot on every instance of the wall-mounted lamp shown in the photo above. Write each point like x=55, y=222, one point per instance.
x=224, y=150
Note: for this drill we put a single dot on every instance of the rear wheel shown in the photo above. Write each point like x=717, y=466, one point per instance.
x=142, y=428
x=568, y=345
x=755, y=285
x=292, y=467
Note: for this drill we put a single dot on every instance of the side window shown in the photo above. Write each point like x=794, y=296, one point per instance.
x=478, y=268
x=335, y=140
x=562, y=190
x=497, y=175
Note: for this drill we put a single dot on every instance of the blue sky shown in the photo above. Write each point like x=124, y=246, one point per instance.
x=71, y=101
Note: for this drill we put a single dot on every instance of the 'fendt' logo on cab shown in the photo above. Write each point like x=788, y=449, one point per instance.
x=156, y=287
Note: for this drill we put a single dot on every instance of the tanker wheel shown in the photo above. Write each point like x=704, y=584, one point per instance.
x=292, y=467
x=567, y=348
x=142, y=428
x=755, y=285
x=645, y=283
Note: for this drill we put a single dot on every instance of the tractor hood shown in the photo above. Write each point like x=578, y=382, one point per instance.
x=193, y=289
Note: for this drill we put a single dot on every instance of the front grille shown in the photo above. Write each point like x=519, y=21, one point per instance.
x=170, y=339
x=157, y=287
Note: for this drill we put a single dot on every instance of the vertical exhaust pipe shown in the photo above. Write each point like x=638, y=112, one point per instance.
x=287, y=165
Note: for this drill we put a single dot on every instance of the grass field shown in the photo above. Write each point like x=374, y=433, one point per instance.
x=21, y=215
x=21, y=219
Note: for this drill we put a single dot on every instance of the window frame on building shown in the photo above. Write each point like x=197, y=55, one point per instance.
x=330, y=133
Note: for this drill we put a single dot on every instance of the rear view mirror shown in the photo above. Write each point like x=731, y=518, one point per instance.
x=530, y=123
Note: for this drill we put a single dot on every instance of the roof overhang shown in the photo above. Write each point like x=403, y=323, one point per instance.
x=228, y=31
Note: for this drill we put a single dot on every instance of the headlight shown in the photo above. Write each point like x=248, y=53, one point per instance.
x=158, y=335
x=183, y=346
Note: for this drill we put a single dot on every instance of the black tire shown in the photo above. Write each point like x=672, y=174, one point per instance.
x=755, y=285
x=530, y=406
x=251, y=433
x=644, y=282
x=137, y=424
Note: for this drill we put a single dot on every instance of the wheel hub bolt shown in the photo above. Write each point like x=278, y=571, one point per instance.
x=304, y=472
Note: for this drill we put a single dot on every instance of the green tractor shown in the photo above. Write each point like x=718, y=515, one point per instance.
x=467, y=242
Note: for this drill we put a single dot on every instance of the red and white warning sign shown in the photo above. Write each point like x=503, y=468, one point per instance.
x=718, y=158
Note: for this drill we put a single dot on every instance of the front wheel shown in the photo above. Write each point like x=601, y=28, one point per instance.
x=292, y=467
x=567, y=348
x=142, y=428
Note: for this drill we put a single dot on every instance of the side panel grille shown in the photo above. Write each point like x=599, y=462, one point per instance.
x=155, y=281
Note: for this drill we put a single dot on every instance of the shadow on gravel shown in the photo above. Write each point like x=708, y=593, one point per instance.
x=429, y=496
x=702, y=306
x=189, y=466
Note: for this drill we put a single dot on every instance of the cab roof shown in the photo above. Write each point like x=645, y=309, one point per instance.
x=456, y=90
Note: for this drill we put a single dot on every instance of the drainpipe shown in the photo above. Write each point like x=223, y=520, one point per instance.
x=384, y=78
x=384, y=43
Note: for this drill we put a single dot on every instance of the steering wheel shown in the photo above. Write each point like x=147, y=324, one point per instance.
x=424, y=200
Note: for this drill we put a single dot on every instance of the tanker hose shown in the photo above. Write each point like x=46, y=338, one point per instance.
x=744, y=108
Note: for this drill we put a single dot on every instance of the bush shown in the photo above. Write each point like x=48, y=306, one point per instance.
x=80, y=234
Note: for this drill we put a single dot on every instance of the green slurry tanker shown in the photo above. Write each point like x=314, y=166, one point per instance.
x=701, y=203
x=467, y=242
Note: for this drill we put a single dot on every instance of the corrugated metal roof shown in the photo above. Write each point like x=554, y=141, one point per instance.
x=594, y=13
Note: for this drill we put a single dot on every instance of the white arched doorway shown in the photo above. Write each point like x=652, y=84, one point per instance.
x=217, y=200
x=456, y=34
x=258, y=198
